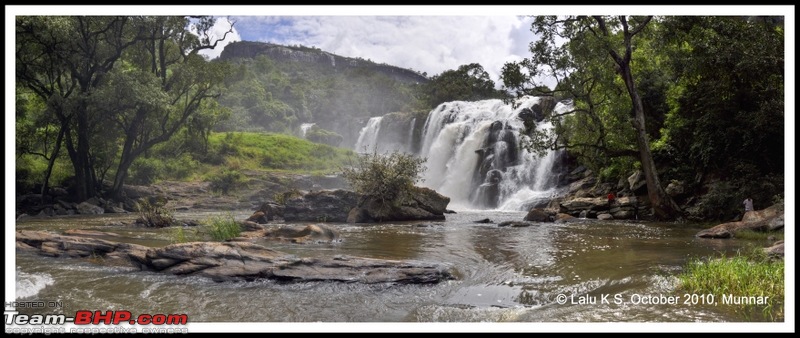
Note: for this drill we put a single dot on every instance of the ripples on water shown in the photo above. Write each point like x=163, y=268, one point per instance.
x=504, y=274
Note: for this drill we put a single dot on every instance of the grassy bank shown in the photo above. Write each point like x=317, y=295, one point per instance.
x=226, y=161
x=750, y=273
x=269, y=151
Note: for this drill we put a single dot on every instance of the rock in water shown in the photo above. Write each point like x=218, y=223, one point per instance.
x=233, y=261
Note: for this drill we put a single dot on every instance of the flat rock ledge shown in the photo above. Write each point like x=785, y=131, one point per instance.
x=231, y=261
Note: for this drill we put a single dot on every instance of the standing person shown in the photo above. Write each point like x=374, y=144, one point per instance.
x=611, y=199
x=748, y=204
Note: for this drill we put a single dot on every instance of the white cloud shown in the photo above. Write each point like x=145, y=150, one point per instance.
x=431, y=44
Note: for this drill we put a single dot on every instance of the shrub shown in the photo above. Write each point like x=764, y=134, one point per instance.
x=387, y=179
x=181, y=234
x=145, y=171
x=223, y=228
x=153, y=213
x=226, y=181
x=282, y=197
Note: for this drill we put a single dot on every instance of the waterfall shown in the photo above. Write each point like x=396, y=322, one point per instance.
x=474, y=156
x=368, y=137
x=304, y=128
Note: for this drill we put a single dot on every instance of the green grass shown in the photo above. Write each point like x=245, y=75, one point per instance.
x=758, y=235
x=181, y=234
x=749, y=273
x=222, y=228
x=270, y=151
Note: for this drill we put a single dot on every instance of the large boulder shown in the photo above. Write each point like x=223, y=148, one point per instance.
x=87, y=208
x=538, y=215
x=320, y=206
x=422, y=204
x=311, y=233
x=637, y=183
x=768, y=219
x=627, y=207
x=267, y=212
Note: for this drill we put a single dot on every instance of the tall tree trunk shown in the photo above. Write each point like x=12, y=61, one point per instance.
x=125, y=161
x=84, y=177
x=663, y=206
x=51, y=162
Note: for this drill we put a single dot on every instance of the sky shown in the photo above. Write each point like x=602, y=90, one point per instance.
x=430, y=44
x=429, y=39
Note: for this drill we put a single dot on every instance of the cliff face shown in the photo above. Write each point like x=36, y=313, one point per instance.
x=250, y=49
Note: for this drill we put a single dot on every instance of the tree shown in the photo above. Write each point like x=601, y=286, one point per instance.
x=575, y=51
x=168, y=83
x=81, y=66
x=469, y=82
x=726, y=108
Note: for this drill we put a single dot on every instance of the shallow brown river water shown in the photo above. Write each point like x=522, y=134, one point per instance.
x=582, y=272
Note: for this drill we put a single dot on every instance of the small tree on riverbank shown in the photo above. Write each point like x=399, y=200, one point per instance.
x=387, y=179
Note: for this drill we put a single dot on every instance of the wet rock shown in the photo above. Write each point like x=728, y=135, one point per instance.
x=320, y=206
x=776, y=250
x=605, y=217
x=538, y=215
x=86, y=208
x=758, y=220
x=233, y=261
x=270, y=211
x=560, y=217
x=425, y=204
x=81, y=232
x=484, y=221
x=515, y=224
x=314, y=233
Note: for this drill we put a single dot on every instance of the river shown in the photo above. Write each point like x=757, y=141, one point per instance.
x=587, y=271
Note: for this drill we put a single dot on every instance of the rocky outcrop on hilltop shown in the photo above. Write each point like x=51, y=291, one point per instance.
x=315, y=56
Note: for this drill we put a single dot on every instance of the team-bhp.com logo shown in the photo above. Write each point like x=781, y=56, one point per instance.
x=32, y=323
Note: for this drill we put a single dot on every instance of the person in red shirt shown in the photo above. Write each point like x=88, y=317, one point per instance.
x=611, y=199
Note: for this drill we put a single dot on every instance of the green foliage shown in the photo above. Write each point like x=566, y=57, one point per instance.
x=153, y=213
x=726, y=112
x=222, y=228
x=30, y=170
x=184, y=234
x=388, y=179
x=282, y=197
x=148, y=170
x=720, y=202
x=268, y=151
x=777, y=200
x=469, y=82
x=226, y=181
x=319, y=135
x=758, y=235
x=112, y=92
x=749, y=273
x=265, y=95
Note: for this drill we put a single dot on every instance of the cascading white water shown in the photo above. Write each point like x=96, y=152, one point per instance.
x=368, y=137
x=473, y=154
x=305, y=127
